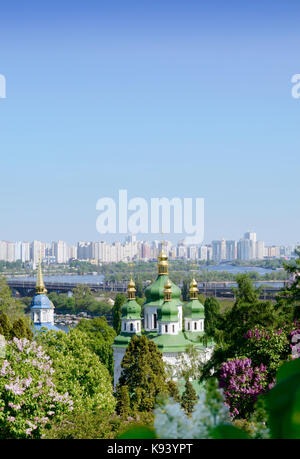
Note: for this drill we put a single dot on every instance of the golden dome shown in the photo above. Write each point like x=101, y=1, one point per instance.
x=162, y=262
x=131, y=289
x=194, y=290
x=168, y=291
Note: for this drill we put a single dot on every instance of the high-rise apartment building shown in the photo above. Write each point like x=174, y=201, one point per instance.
x=260, y=250
x=72, y=252
x=61, y=252
x=251, y=236
x=146, y=251
x=193, y=252
x=25, y=251
x=244, y=249
x=231, y=250
x=203, y=252
x=37, y=251
x=84, y=250
x=218, y=250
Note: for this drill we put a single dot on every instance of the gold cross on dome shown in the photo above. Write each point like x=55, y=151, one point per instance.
x=195, y=271
x=162, y=240
x=130, y=264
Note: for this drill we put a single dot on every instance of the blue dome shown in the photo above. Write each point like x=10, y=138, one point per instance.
x=41, y=302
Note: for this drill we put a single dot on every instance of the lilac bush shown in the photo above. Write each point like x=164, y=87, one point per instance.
x=295, y=343
x=29, y=401
x=267, y=347
x=242, y=383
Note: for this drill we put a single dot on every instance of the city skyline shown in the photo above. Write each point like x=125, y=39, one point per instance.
x=247, y=248
x=165, y=99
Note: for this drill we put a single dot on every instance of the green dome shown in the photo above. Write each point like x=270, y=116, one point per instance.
x=131, y=310
x=168, y=311
x=155, y=292
x=194, y=310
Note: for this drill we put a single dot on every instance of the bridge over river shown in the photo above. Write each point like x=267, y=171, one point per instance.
x=26, y=287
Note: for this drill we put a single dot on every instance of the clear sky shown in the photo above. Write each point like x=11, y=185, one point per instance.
x=159, y=97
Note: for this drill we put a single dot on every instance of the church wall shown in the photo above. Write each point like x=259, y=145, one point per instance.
x=119, y=353
x=149, y=312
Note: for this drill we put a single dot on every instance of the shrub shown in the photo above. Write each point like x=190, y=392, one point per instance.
x=29, y=400
x=242, y=383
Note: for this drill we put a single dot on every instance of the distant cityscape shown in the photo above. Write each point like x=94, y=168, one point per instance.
x=246, y=249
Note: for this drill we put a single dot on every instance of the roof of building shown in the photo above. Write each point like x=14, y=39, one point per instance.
x=41, y=301
x=155, y=292
x=168, y=311
x=194, y=310
x=168, y=343
x=131, y=310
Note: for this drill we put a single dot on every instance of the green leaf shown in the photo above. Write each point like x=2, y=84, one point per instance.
x=283, y=402
x=228, y=432
x=295, y=419
x=137, y=433
x=288, y=369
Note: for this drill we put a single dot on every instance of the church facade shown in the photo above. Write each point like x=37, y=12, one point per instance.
x=166, y=322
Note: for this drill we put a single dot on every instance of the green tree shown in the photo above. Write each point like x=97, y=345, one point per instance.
x=173, y=391
x=123, y=402
x=78, y=370
x=189, y=398
x=289, y=297
x=139, y=287
x=247, y=313
x=5, y=326
x=212, y=316
x=83, y=297
x=20, y=329
x=119, y=301
x=9, y=305
x=99, y=338
x=185, y=290
x=143, y=372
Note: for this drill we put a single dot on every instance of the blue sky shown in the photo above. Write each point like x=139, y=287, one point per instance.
x=162, y=98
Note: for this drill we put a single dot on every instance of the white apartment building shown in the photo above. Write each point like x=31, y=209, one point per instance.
x=37, y=250
x=203, y=252
x=61, y=252
x=231, y=250
x=72, y=252
x=260, y=250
